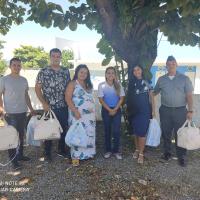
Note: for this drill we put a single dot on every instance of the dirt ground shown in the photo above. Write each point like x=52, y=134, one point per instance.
x=102, y=178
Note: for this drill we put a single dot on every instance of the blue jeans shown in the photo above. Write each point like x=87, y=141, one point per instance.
x=112, y=126
x=17, y=120
x=62, y=116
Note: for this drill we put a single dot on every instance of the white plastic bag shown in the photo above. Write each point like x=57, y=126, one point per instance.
x=48, y=128
x=188, y=137
x=76, y=135
x=30, y=131
x=153, y=134
x=9, y=137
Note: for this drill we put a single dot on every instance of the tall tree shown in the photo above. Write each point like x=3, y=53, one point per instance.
x=66, y=56
x=130, y=27
x=3, y=64
x=32, y=57
x=1, y=47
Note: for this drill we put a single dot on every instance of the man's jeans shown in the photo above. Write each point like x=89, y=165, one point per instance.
x=112, y=125
x=62, y=116
x=18, y=121
x=171, y=120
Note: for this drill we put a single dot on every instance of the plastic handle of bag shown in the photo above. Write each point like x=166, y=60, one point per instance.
x=191, y=124
x=5, y=122
x=45, y=114
x=17, y=150
x=194, y=125
x=186, y=122
x=52, y=115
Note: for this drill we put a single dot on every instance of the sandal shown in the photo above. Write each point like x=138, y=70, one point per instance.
x=136, y=154
x=141, y=158
x=75, y=162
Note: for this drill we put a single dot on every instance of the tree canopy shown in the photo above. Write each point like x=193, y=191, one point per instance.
x=32, y=57
x=129, y=28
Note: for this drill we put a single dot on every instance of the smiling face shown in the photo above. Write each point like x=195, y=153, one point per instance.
x=82, y=74
x=171, y=66
x=55, y=59
x=15, y=67
x=110, y=75
x=137, y=72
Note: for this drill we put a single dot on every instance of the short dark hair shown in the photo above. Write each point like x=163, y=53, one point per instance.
x=55, y=50
x=170, y=58
x=14, y=59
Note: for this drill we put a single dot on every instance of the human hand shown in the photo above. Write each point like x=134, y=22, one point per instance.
x=112, y=112
x=33, y=112
x=2, y=111
x=153, y=114
x=46, y=107
x=77, y=114
x=189, y=115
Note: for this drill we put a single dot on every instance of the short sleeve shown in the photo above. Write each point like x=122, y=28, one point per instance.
x=122, y=93
x=100, y=91
x=156, y=89
x=40, y=77
x=2, y=85
x=188, y=86
x=68, y=75
x=26, y=84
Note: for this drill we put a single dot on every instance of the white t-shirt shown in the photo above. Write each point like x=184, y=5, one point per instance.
x=109, y=95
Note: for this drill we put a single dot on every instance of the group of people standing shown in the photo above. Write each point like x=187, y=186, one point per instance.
x=72, y=100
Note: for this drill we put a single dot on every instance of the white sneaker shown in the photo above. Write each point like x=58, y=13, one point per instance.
x=118, y=156
x=107, y=155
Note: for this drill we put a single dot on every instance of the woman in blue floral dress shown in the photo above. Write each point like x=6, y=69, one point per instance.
x=79, y=98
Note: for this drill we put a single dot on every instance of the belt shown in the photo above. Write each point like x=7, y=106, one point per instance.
x=173, y=108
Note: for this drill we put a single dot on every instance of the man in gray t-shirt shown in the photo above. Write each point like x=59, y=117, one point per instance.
x=15, y=102
x=176, y=93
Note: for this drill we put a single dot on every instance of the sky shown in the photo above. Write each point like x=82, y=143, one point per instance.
x=33, y=34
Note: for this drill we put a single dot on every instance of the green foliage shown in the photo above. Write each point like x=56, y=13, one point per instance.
x=32, y=57
x=129, y=28
x=3, y=66
x=66, y=56
x=1, y=47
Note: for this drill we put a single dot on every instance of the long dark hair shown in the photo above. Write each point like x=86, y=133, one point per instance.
x=143, y=77
x=115, y=83
x=88, y=82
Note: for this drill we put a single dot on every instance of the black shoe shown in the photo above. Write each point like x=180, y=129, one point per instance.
x=16, y=166
x=62, y=154
x=181, y=162
x=166, y=156
x=23, y=158
x=48, y=158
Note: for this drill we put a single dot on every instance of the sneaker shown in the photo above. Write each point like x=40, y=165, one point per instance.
x=16, y=166
x=118, y=156
x=23, y=158
x=107, y=155
x=166, y=156
x=62, y=154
